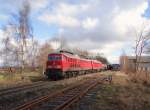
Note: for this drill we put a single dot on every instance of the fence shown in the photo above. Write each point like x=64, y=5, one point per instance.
x=12, y=70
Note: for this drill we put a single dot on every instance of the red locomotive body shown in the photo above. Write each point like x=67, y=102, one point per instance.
x=61, y=65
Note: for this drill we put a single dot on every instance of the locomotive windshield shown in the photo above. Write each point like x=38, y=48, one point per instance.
x=54, y=58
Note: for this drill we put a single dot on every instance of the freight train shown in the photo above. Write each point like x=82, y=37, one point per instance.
x=65, y=64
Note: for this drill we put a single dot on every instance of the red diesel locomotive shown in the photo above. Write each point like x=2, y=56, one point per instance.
x=65, y=65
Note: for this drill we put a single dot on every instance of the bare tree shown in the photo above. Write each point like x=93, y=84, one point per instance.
x=6, y=42
x=33, y=52
x=101, y=59
x=44, y=50
x=59, y=43
x=142, y=39
x=81, y=53
x=8, y=49
x=147, y=48
x=19, y=33
x=63, y=44
x=25, y=31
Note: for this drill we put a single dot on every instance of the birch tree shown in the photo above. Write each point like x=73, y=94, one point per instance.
x=18, y=33
x=24, y=31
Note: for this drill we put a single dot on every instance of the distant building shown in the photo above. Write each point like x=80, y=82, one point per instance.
x=127, y=63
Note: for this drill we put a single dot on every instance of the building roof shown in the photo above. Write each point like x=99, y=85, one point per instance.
x=144, y=59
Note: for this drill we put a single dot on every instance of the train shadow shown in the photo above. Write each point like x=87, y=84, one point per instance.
x=37, y=78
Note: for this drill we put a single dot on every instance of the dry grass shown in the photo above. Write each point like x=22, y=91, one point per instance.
x=127, y=95
x=52, y=87
x=15, y=79
x=11, y=80
x=140, y=77
x=136, y=97
x=120, y=79
x=122, y=94
x=133, y=96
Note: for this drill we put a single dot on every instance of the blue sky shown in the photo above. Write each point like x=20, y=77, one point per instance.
x=147, y=11
x=99, y=26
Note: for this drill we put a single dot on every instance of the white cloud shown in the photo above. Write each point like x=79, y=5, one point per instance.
x=98, y=25
x=3, y=17
x=90, y=23
x=36, y=5
x=127, y=18
x=69, y=9
x=66, y=9
x=1, y=35
x=61, y=20
x=109, y=51
x=66, y=15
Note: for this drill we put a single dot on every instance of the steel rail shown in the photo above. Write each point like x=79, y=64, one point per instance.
x=75, y=98
x=64, y=98
x=21, y=88
x=32, y=103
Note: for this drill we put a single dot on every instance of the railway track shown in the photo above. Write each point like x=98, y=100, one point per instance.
x=60, y=100
x=17, y=89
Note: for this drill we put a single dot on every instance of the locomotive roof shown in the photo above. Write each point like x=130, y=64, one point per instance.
x=72, y=55
x=65, y=51
x=75, y=56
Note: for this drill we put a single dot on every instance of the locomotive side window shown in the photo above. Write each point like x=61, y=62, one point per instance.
x=57, y=58
x=67, y=59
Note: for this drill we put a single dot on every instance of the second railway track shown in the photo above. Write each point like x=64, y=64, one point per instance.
x=17, y=89
x=62, y=99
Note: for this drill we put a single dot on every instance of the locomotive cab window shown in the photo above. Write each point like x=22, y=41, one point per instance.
x=54, y=58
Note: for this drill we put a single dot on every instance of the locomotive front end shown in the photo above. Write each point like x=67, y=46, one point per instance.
x=54, y=66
